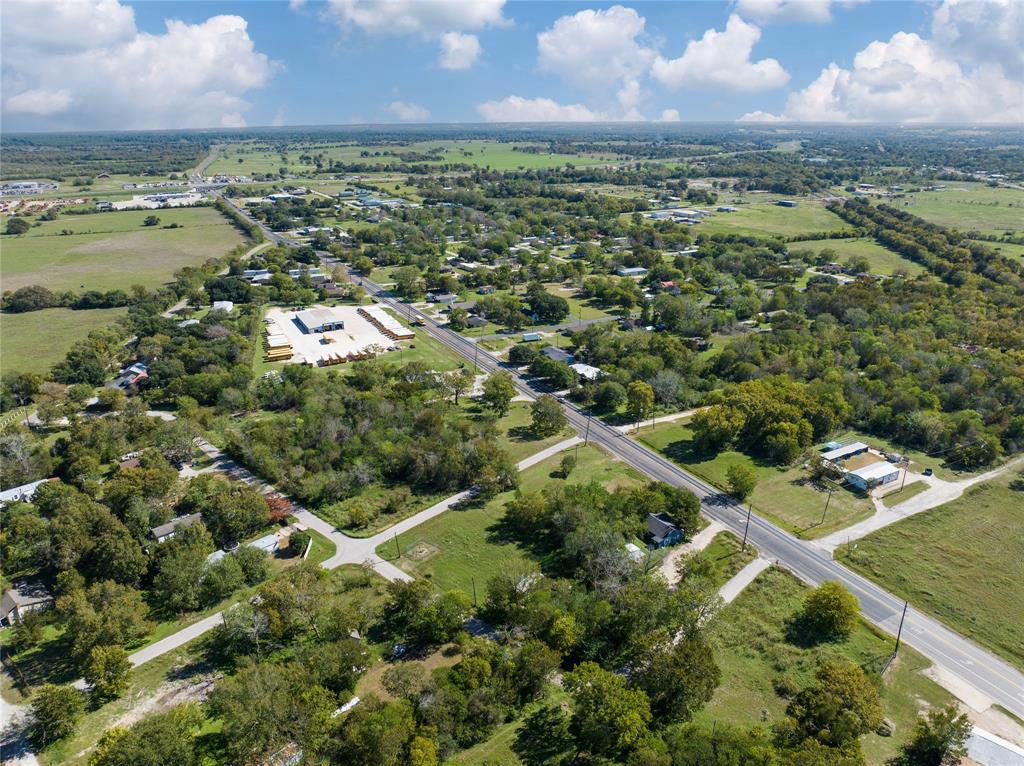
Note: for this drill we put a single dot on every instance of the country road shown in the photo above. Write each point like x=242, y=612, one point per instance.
x=990, y=675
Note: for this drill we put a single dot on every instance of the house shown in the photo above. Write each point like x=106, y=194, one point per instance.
x=662, y=531
x=226, y=306
x=586, y=371
x=486, y=290
x=631, y=271
x=132, y=462
x=22, y=493
x=131, y=376
x=872, y=475
x=786, y=203
x=476, y=321
x=23, y=597
x=319, y=320
x=170, y=529
x=443, y=298
x=727, y=209
x=529, y=337
x=558, y=355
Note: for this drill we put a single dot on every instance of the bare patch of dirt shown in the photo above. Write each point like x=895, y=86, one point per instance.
x=168, y=695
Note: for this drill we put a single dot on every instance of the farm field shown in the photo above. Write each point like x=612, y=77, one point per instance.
x=883, y=260
x=962, y=561
x=783, y=494
x=764, y=218
x=452, y=549
x=108, y=251
x=36, y=340
x=757, y=656
x=494, y=154
x=1006, y=248
x=968, y=207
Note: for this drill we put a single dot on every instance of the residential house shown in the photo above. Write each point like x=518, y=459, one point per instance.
x=558, y=354
x=631, y=271
x=23, y=597
x=170, y=529
x=662, y=530
x=23, y=493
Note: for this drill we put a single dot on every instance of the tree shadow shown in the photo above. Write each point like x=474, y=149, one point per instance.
x=522, y=434
x=541, y=548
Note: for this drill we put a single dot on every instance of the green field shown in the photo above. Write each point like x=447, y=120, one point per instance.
x=760, y=216
x=782, y=494
x=36, y=340
x=259, y=158
x=883, y=260
x=1008, y=249
x=757, y=657
x=962, y=561
x=895, y=498
x=969, y=207
x=114, y=250
x=460, y=546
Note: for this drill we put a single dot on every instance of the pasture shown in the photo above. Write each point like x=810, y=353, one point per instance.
x=968, y=207
x=759, y=216
x=963, y=562
x=114, y=250
x=882, y=260
x=37, y=340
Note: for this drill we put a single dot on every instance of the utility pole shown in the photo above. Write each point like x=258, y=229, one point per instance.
x=900, y=631
x=586, y=436
x=746, y=528
x=829, y=500
x=905, y=467
x=398, y=551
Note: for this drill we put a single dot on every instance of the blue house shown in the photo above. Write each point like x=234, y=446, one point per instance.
x=662, y=530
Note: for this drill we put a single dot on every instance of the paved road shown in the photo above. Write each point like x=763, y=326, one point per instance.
x=990, y=675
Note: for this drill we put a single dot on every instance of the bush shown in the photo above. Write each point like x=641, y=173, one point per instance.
x=297, y=542
x=56, y=710
x=830, y=611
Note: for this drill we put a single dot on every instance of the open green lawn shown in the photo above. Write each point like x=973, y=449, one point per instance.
x=1008, y=249
x=727, y=555
x=762, y=217
x=589, y=309
x=895, y=498
x=36, y=340
x=114, y=250
x=758, y=657
x=883, y=260
x=962, y=561
x=460, y=546
x=968, y=207
x=783, y=494
x=260, y=158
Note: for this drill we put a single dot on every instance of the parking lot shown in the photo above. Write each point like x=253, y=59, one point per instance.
x=358, y=335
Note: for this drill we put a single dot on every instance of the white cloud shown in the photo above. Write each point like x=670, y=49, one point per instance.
x=767, y=11
x=591, y=48
x=407, y=111
x=458, y=50
x=669, y=115
x=191, y=75
x=722, y=60
x=519, y=109
x=908, y=79
x=989, y=32
x=426, y=18
x=39, y=102
x=759, y=116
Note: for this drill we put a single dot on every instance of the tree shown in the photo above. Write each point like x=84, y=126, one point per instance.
x=158, y=739
x=567, y=465
x=742, y=479
x=939, y=739
x=458, y=382
x=18, y=226
x=609, y=395
x=545, y=739
x=374, y=734
x=609, y=718
x=547, y=416
x=297, y=542
x=639, y=400
x=55, y=710
x=150, y=220
x=458, y=319
x=830, y=611
x=103, y=615
x=107, y=671
x=839, y=707
x=498, y=392
x=680, y=680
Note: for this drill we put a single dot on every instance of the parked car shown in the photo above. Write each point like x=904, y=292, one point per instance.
x=927, y=472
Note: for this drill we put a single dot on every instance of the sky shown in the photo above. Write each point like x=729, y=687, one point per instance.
x=112, y=64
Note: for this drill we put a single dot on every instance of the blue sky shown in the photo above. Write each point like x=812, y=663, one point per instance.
x=358, y=61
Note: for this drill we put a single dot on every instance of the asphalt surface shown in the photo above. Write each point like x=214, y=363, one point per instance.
x=988, y=674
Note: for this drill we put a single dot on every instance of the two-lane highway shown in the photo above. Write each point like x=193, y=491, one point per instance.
x=992, y=676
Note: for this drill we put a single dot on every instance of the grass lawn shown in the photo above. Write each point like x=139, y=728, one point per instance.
x=36, y=340
x=762, y=217
x=784, y=495
x=1008, y=249
x=589, y=309
x=962, y=561
x=114, y=250
x=758, y=659
x=968, y=207
x=514, y=434
x=460, y=546
x=895, y=498
x=883, y=260
x=726, y=553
